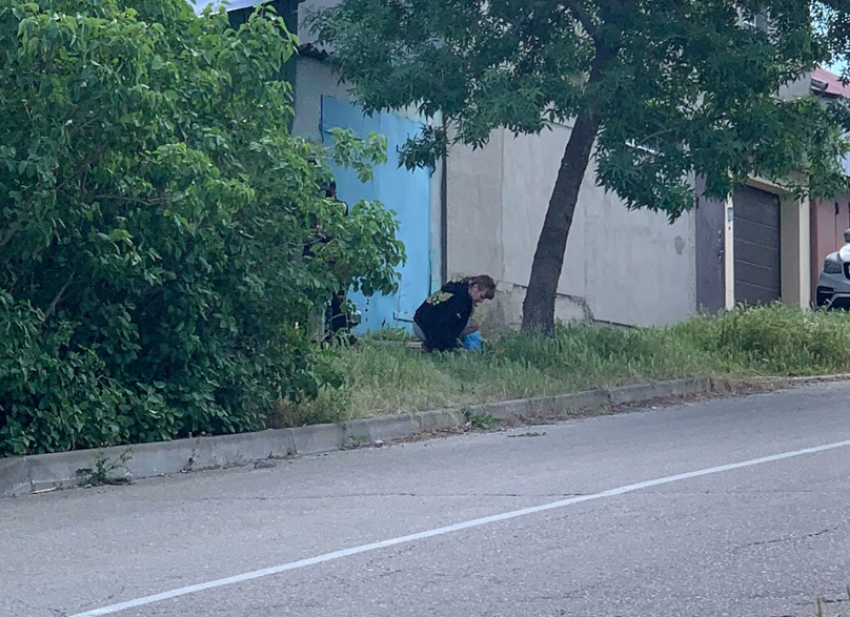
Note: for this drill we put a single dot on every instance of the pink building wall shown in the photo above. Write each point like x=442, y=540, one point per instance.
x=830, y=217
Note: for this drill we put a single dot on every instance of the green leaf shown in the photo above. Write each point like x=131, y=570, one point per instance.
x=153, y=230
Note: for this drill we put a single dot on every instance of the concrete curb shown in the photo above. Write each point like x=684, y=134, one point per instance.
x=28, y=474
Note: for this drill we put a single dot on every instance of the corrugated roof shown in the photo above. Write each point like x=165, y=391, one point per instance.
x=834, y=86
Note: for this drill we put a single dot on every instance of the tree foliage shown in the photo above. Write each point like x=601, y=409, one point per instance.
x=662, y=89
x=687, y=82
x=154, y=211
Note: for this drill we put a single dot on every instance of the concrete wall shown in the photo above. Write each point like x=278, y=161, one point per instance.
x=305, y=9
x=313, y=81
x=620, y=267
x=796, y=244
x=796, y=89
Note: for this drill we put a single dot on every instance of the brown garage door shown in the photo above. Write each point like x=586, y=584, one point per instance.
x=758, y=266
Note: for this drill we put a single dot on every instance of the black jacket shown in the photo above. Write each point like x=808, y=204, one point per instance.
x=444, y=315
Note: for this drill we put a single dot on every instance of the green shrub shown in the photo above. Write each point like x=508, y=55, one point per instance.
x=154, y=212
x=777, y=339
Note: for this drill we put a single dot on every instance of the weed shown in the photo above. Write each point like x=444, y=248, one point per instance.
x=357, y=441
x=398, y=335
x=483, y=421
x=104, y=471
x=819, y=603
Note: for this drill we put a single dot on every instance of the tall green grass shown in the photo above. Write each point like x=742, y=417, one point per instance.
x=385, y=378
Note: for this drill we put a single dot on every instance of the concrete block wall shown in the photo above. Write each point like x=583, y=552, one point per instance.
x=621, y=266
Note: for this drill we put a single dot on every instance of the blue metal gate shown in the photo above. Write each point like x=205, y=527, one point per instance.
x=406, y=193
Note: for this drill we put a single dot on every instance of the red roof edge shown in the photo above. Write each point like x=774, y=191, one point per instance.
x=834, y=86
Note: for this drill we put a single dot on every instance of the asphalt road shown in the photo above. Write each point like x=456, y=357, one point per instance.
x=596, y=517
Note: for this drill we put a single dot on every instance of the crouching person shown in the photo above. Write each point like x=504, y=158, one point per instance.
x=446, y=317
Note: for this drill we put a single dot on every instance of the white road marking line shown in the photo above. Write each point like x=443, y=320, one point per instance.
x=441, y=531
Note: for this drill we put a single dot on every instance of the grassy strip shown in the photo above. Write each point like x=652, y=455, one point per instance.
x=386, y=378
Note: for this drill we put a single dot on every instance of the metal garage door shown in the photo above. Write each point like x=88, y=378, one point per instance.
x=405, y=192
x=758, y=267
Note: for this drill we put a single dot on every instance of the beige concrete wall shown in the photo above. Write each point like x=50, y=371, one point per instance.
x=798, y=88
x=620, y=267
x=796, y=236
x=313, y=81
x=305, y=9
x=729, y=252
x=531, y=167
x=475, y=241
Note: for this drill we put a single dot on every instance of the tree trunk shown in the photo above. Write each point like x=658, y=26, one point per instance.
x=539, y=307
